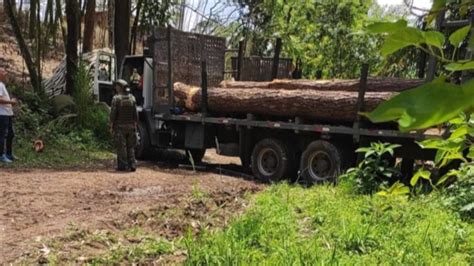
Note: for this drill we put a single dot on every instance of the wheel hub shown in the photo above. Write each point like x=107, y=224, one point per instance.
x=267, y=162
x=320, y=166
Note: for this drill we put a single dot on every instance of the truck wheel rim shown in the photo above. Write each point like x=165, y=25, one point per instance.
x=267, y=162
x=320, y=166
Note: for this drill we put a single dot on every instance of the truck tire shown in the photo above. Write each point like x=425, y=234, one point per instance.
x=270, y=160
x=320, y=162
x=142, y=150
x=197, y=155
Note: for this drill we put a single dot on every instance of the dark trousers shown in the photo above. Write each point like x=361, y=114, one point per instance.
x=6, y=134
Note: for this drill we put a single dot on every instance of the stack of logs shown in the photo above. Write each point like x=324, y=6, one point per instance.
x=313, y=99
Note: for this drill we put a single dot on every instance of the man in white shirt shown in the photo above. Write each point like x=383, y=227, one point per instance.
x=6, y=121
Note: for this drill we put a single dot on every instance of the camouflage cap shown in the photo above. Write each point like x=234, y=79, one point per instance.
x=122, y=83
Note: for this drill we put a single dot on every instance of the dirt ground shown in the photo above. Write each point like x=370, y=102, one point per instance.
x=40, y=204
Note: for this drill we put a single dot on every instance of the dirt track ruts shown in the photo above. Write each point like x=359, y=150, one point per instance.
x=39, y=204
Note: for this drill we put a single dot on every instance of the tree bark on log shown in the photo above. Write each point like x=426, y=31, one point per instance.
x=320, y=105
x=374, y=84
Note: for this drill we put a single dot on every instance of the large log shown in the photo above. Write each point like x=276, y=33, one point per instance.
x=373, y=84
x=320, y=105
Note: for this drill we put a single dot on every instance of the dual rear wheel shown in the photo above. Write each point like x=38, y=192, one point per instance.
x=273, y=160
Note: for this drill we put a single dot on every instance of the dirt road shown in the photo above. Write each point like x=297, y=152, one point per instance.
x=38, y=204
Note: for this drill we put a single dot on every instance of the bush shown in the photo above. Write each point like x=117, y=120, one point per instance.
x=459, y=196
x=90, y=116
x=376, y=171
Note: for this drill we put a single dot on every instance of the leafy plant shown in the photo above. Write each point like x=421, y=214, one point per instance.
x=459, y=196
x=376, y=171
x=435, y=102
x=457, y=147
x=90, y=116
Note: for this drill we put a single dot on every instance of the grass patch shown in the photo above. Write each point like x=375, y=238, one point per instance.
x=75, y=150
x=290, y=225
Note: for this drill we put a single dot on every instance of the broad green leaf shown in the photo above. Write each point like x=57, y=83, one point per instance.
x=459, y=35
x=470, y=154
x=396, y=189
x=420, y=173
x=450, y=156
x=439, y=156
x=387, y=27
x=446, y=176
x=458, y=120
x=428, y=105
x=459, y=66
x=434, y=38
x=401, y=39
x=363, y=149
x=460, y=132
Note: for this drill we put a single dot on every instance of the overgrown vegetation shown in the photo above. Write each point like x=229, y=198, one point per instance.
x=377, y=171
x=289, y=225
x=74, y=130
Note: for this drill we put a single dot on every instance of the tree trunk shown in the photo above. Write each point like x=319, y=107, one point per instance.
x=72, y=17
x=63, y=27
x=133, y=41
x=111, y=21
x=121, y=29
x=89, y=26
x=25, y=53
x=57, y=17
x=374, y=84
x=311, y=104
x=32, y=20
x=39, y=54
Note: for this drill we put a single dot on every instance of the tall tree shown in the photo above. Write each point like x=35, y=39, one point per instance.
x=32, y=20
x=34, y=80
x=121, y=29
x=133, y=41
x=111, y=21
x=89, y=25
x=72, y=17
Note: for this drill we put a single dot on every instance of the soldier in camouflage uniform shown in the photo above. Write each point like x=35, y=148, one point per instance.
x=124, y=119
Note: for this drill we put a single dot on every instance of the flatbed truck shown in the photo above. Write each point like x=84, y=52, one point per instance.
x=272, y=148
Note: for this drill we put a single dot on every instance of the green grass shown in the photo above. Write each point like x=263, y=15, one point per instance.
x=290, y=225
x=61, y=153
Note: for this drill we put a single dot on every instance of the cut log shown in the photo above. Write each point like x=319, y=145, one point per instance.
x=230, y=84
x=373, y=84
x=320, y=105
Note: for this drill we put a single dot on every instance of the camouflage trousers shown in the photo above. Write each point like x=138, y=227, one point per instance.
x=125, y=142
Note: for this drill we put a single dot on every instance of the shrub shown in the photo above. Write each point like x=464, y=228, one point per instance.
x=459, y=196
x=376, y=171
x=90, y=116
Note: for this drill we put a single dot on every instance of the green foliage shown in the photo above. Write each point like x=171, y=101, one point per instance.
x=331, y=44
x=82, y=93
x=458, y=146
x=329, y=225
x=426, y=106
x=90, y=116
x=433, y=103
x=459, y=196
x=155, y=13
x=376, y=171
x=70, y=139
